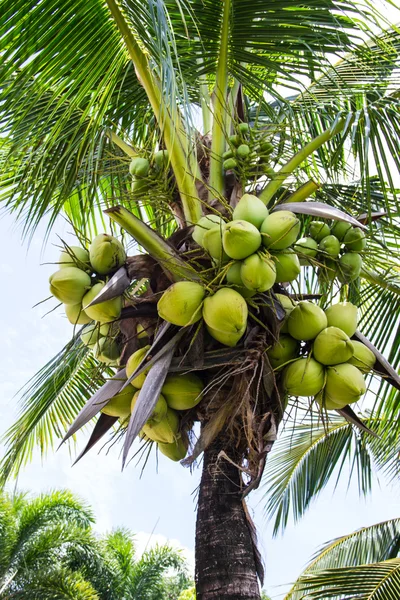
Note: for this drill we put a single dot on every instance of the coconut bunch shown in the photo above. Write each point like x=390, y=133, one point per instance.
x=143, y=170
x=80, y=278
x=317, y=355
x=337, y=247
x=179, y=393
x=248, y=153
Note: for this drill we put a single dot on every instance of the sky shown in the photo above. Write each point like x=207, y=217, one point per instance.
x=160, y=504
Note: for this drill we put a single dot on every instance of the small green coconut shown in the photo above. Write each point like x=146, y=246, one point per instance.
x=329, y=246
x=344, y=384
x=287, y=265
x=120, y=404
x=240, y=239
x=343, y=315
x=91, y=334
x=74, y=256
x=340, y=228
x=177, y=450
x=319, y=230
x=133, y=363
x=306, y=321
x=76, y=315
x=227, y=339
x=332, y=346
x=104, y=311
x=355, y=240
x=258, y=272
x=363, y=358
x=212, y=242
x=349, y=267
x=69, y=285
x=106, y=254
x=285, y=349
x=306, y=248
x=164, y=431
x=304, y=377
x=225, y=311
x=159, y=411
x=251, y=209
x=280, y=230
x=181, y=303
x=182, y=391
x=206, y=223
x=107, y=351
x=139, y=166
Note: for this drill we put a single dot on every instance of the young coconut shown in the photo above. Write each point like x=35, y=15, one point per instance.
x=326, y=403
x=251, y=209
x=306, y=321
x=225, y=311
x=349, y=267
x=106, y=311
x=106, y=351
x=329, y=246
x=69, y=285
x=182, y=391
x=91, y=334
x=332, y=346
x=159, y=411
x=285, y=349
x=233, y=277
x=177, y=450
x=181, y=303
x=227, y=339
x=74, y=256
x=304, y=377
x=106, y=254
x=240, y=239
x=280, y=229
x=133, y=362
x=212, y=242
x=328, y=269
x=306, y=247
x=287, y=266
x=344, y=384
x=204, y=224
x=363, y=358
x=119, y=405
x=355, y=240
x=76, y=315
x=340, y=228
x=288, y=305
x=258, y=272
x=164, y=431
x=343, y=315
x=139, y=166
x=319, y=230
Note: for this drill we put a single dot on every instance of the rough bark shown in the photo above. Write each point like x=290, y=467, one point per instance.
x=225, y=559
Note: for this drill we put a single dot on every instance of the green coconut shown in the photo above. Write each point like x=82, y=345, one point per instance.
x=227, y=339
x=306, y=321
x=318, y=230
x=74, y=256
x=226, y=311
x=139, y=186
x=177, y=450
x=340, y=228
x=349, y=267
x=107, y=351
x=329, y=246
x=288, y=305
x=240, y=239
x=287, y=266
x=164, y=431
x=119, y=405
x=181, y=303
x=332, y=346
x=159, y=411
x=344, y=384
x=212, y=242
x=285, y=349
x=355, y=240
x=304, y=377
x=204, y=224
x=106, y=254
x=363, y=358
x=243, y=128
x=233, y=277
x=91, y=334
x=328, y=270
x=105, y=328
x=139, y=166
x=161, y=158
x=182, y=391
x=106, y=311
x=306, y=247
x=343, y=315
x=243, y=151
x=280, y=230
x=229, y=164
x=258, y=272
x=251, y=209
x=76, y=315
x=327, y=403
x=69, y=285
x=133, y=362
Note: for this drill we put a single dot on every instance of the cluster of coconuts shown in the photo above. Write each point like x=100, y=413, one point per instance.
x=179, y=393
x=317, y=355
x=141, y=168
x=247, y=152
x=79, y=279
x=338, y=248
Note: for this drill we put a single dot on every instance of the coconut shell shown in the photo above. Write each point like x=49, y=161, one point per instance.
x=76, y=315
x=306, y=321
x=258, y=272
x=181, y=303
x=133, y=362
x=355, y=240
x=363, y=358
x=287, y=266
x=104, y=311
x=240, y=239
x=284, y=350
x=69, y=285
x=344, y=384
x=164, y=431
x=318, y=230
x=182, y=391
x=225, y=311
x=332, y=346
x=74, y=256
x=329, y=246
x=106, y=254
x=280, y=230
x=177, y=450
x=304, y=377
x=204, y=224
x=251, y=209
x=120, y=405
x=343, y=315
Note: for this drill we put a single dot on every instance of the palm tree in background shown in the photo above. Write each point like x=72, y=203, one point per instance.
x=88, y=87
x=48, y=550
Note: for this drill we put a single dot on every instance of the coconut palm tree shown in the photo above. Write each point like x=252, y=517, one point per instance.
x=90, y=89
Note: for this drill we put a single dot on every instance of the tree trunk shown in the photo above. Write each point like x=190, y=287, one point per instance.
x=225, y=559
